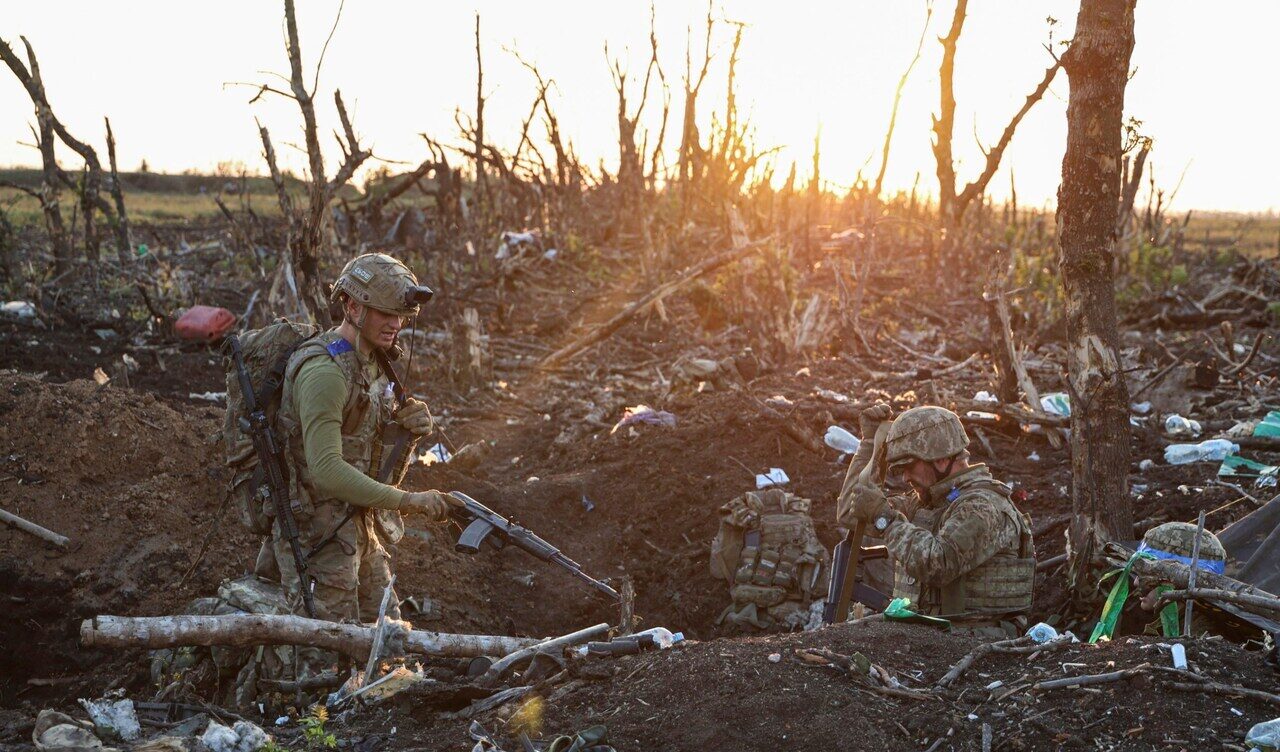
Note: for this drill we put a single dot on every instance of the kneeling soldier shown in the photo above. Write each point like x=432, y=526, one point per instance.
x=959, y=546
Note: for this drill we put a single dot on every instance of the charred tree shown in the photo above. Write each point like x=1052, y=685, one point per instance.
x=1097, y=65
x=308, y=227
x=88, y=185
x=953, y=202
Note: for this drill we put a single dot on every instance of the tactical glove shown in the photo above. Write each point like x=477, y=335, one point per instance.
x=869, y=503
x=431, y=504
x=871, y=418
x=414, y=417
x=868, y=421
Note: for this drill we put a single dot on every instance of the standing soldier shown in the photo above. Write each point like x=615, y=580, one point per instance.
x=960, y=547
x=336, y=406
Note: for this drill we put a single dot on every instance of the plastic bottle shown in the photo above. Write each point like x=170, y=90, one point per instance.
x=662, y=636
x=1176, y=425
x=1212, y=450
x=1042, y=632
x=841, y=440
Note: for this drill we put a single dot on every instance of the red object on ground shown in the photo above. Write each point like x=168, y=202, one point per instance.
x=205, y=322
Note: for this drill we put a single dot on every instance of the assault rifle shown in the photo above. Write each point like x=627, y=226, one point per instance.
x=480, y=524
x=846, y=579
x=271, y=461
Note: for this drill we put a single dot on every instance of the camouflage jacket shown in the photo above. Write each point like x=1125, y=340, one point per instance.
x=966, y=550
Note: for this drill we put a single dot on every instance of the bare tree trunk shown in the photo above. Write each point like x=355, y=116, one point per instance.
x=1098, y=66
x=307, y=233
x=944, y=123
x=482, y=179
x=124, y=244
x=45, y=141
x=897, y=99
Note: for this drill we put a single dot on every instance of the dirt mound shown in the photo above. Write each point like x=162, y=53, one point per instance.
x=134, y=484
x=731, y=695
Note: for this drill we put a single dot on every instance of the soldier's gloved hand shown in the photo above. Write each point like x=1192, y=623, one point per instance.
x=871, y=418
x=869, y=502
x=431, y=504
x=414, y=417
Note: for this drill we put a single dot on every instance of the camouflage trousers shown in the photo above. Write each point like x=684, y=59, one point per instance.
x=350, y=574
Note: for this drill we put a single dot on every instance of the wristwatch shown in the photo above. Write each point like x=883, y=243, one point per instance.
x=881, y=523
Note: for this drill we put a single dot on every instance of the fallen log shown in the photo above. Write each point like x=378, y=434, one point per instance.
x=32, y=528
x=156, y=632
x=606, y=329
x=1179, y=574
x=1261, y=604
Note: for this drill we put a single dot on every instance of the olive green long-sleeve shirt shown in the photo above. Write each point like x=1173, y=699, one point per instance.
x=319, y=393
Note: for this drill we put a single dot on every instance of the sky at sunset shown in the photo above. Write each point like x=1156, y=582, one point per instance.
x=1204, y=85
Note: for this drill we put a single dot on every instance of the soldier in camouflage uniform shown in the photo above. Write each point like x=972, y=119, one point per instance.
x=960, y=547
x=336, y=402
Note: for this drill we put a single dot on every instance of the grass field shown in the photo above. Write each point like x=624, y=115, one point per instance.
x=155, y=197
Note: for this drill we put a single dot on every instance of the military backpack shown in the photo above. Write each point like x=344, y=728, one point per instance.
x=266, y=354
x=770, y=556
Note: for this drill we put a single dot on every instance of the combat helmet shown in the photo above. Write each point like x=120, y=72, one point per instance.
x=924, y=433
x=380, y=281
x=1176, y=541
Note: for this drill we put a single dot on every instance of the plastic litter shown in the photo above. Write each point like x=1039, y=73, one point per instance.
x=775, y=477
x=1265, y=736
x=242, y=737
x=1237, y=467
x=1146, y=465
x=663, y=637
x=980, y=415
x=1176, y=425
x=644, y=414
x=587, y=504
x=1034, y=456
x=19, y=308
x=208, y=396
x=58, y=732
x=985, y=396
x=432, y=455
x=1057, y=403
x=841, y=440
x=550, y=254
x=1179, y=653
x=1212, y=450
x=1268, y=426
x=512, y=241
x=202, y=322
x=113, y=718
x=1141, y=408
x=1042, y=633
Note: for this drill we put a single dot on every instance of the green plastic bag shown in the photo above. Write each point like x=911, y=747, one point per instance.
x=1115, y=600
x=898, y=610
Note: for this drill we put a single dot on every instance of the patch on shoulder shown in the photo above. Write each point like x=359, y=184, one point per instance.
x=338, y=347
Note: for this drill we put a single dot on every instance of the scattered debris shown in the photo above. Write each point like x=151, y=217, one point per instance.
x=1210, y=450
x=841, y=440
x=644, y=414
x=775, y=477
x=206, y=323
x=113, y=718
x=32, y=528
x=19, y=309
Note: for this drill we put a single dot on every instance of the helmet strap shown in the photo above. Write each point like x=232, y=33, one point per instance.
x=938, y=476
